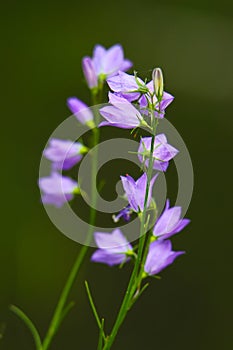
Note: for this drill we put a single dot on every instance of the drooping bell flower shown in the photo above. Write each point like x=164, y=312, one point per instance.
x=113, y=247
x=162, y=154
x=135, y=191
x=121, y=114
x=104, y=63
x=57, y=189
x=160, y=255
x=170, y=222
x=64, y=154
x=108, y=62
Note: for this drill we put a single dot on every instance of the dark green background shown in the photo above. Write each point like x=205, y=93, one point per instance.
x=42, y=46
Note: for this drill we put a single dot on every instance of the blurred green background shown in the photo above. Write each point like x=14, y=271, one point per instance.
x=42, y=45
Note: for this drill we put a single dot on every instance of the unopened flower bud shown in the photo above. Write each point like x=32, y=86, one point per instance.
x=89, y=72
x=157, y=76
x=81, y=111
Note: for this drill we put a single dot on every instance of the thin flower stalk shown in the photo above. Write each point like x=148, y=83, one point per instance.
x=55, y=322
x=133, y=280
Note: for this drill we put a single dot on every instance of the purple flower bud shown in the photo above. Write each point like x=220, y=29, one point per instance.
x=89, y=72
x=114, y=248
x=169, y=222
x=160, y=256
x=80, y=110
x=57, y=189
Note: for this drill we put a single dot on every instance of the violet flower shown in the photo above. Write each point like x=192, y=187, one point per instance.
x=136, y=191
x=125, y=213
x=169, y=223
x=104, y=63
x=121, y=114
x=126, y=86
x=152, y=99
x=107, y=62
x=113, y=247
x=57, y=189
x=160, y=255
x=64, y=154
x=80, y=110
x=163, y=152
x=131, y=88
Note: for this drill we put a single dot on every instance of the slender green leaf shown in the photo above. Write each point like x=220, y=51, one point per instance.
x=99, y=323
x=138, y=294
x=29, y=324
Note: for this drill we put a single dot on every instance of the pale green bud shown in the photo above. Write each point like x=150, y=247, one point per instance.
x=157, y=77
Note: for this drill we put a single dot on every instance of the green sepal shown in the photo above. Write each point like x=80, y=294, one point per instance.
x=84, y=149
x=77, y=190
x=91, y=124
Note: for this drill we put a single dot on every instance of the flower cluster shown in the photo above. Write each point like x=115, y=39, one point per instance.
x=114, y=248
x=147, y=96
x=132, y=103
x=64, y=154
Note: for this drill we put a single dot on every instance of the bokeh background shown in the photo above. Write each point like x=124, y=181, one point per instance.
x=42, y=45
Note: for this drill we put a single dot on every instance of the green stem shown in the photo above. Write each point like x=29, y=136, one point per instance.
x=55, y=322
x=63, y=298
x=101, y=335
x=133, y=279
x=141, y=271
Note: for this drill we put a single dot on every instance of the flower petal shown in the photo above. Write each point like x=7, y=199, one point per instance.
x=121, y=112
x=160, y=255
x=63, y=153
x=112, y=241
x=98, y=55
x=129, y=186
x=167, y=221
x=124, y=84
x=113, y=59
x=103, y=256
x=126, y=65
